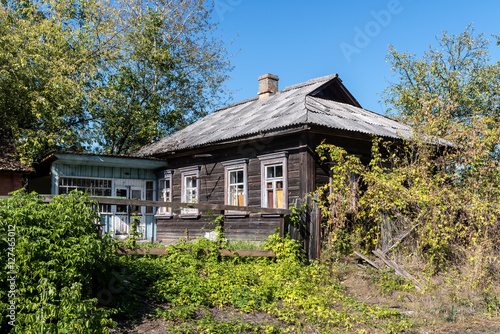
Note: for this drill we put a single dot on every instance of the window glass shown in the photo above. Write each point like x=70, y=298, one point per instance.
x=122, y=193
x=236, y=187
x=279, y=171
x=165, y=195
x=149, y=195
x=270, y=172
x=274, y=186
x=94, y=187
x=190, y=189
x=136, y=194
x=190, y=192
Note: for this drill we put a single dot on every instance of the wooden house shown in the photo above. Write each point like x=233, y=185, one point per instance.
x=12, y=170
x=260, y=152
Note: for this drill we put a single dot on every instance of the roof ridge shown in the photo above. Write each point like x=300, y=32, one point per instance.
x=310, y=82
x=296, y=86
x=366, y=110
x=237, y=103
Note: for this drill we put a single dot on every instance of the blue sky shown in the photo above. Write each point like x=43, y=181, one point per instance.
x=299, y=40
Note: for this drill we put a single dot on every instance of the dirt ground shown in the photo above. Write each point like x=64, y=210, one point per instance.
x=147, y=323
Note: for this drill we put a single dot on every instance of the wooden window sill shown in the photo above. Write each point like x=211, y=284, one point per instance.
x=271, y=215
x=187, y=216
x=169, y=216
x=235, y=215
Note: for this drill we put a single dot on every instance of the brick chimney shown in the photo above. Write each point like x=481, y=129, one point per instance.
x=268, y=85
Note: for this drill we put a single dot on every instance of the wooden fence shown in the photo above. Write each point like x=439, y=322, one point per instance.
x=223, y=252
x=307, y=231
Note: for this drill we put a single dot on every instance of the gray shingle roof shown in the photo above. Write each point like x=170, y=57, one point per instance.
x=295, y=105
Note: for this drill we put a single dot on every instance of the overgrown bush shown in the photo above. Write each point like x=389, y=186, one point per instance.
x=440, y=198
x=57, y=264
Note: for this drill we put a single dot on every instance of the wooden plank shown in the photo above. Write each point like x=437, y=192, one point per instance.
x=282, y=227
x=400, y=239
x=223, y=252
x=367, y=260
x=318, y=229
x=398, y=269
x=263, y=253
x=142, y=251
x=176, y=205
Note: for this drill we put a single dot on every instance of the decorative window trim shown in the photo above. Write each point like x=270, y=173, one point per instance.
x=166, y=212
x=190, y=213
x=228, y=167
x=272, y=159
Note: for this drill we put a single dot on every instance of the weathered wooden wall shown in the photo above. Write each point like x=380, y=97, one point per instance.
x=253, y=227
x=305, y=173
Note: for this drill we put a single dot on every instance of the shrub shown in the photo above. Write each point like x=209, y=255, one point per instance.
x=59, y=260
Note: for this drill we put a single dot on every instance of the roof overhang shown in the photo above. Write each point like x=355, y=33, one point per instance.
x=107, y=161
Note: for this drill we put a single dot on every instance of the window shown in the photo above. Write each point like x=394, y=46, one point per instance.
x=137, y=195
x=190, y=189
x=274, y=185
x=165, y=193
x=122, y=193
x=149, y=195
x=94, y=187
x=236, y=191
x=236, y=184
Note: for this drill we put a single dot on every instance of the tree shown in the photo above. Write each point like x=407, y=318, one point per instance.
x=172, y=73
x=453, y=92
x=457, y=73
x=105, y=75
x=433, y=200
x=50, y=54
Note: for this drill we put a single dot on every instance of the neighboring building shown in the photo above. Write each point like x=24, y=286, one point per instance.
x=103, y=175
x=12, y=170
x=260, y=152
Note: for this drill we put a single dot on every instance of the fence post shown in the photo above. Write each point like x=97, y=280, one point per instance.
x=315, y=231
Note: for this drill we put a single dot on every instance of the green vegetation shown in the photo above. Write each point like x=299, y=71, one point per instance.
x=443, y=183
x=191, y=282
x=81, y=74
x=69, y=280
x=64, y=269
x=60, y=264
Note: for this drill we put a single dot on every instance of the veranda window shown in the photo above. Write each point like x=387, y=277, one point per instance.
x=94, y=187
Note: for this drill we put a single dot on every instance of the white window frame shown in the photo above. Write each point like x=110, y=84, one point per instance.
x=185, y=173
x=164, y=211
x=103, y=208
x=268, y=160
x=231, y=166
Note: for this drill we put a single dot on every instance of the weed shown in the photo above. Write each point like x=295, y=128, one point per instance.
x=491, y=301
x=388, y=282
